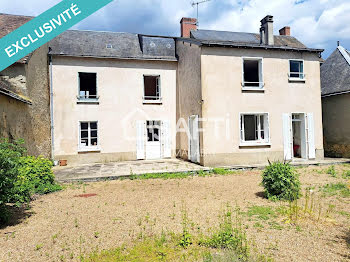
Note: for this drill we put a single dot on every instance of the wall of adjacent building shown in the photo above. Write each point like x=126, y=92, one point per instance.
x=120, y=91
x=189, y=95
x=23, y=121
x=224, y=100
x=336, y=125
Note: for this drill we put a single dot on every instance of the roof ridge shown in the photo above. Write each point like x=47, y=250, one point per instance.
x=344, y=53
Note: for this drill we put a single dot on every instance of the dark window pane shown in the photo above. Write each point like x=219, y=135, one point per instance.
x=249, y=128
x=94, y=141
x=93, y=125
x=156, y=134
x=84, y=126
x=251, y=72
x=84, y=134
x=151, y=87
x=87, y=85
x=93, y=133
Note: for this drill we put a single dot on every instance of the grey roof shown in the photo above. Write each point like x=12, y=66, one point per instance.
x=113, y=45
x=240, y=39
x=335, y=73
x=5, y=90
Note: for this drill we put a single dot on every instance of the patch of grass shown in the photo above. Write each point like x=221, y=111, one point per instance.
x=344, y=213
x=261, y=212
x=336, y=189
x=331, y=171
x=222, y=171
x=346, y=174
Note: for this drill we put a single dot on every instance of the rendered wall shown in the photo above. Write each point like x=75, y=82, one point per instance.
x=224, y=100
x=120, y=91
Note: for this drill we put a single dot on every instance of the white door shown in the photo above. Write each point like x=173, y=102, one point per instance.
x=153, y=139
x=166, y=139
x=140, y=139
x=193, y=140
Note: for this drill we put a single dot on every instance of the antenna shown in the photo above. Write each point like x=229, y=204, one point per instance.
x=197, y=4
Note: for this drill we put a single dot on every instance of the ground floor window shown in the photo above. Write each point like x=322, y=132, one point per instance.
x=254, y=128
x=88, y=135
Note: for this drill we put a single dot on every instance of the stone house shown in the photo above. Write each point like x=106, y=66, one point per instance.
x=211, y=97
x=335, y=82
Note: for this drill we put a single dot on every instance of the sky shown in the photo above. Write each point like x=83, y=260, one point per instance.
x=316, y=23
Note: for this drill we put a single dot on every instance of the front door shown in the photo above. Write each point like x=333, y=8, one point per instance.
x=193, y=140
x=153, y=144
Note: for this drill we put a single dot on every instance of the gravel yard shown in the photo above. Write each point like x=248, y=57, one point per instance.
x=103, y=215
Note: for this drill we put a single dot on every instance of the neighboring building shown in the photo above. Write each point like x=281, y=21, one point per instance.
x=121, y=96
x=24, y=95
x=259, y=96
x=335, y=79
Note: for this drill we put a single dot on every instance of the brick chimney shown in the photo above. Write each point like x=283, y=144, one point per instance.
x=266, y=31
x=285, y=31
x=188, y=24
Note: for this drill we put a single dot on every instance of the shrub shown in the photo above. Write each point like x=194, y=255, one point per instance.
x=281, y=181
x=22, y=176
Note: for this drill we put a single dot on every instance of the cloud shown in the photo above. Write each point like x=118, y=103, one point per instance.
x=317, y=23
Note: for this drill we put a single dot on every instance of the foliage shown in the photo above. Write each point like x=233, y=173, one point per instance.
x=22, y=176
x=186, y=237
x=346, y=174
x=331, y=171
x=339, y=188
x=229, y=235
x=221, y=171
x=281, y=181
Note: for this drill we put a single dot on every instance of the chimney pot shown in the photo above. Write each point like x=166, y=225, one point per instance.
x=187, y=25
x=285, y=31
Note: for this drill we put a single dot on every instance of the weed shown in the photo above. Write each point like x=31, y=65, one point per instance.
x=334, y=189
x=331, y=171
x=76, y=224
x=221, y=171
x=346, y=174
x=261, y=212
x=258, y=225
x=186, y=238
x=39, y=246
x=96, y=234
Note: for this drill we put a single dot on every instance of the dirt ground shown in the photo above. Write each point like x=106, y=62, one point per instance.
x=62, y=226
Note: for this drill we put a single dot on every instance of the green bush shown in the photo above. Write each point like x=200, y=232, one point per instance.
x=281, y=181
x=22, y=176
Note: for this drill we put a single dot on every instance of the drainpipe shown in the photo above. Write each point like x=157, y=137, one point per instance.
x=51, y=108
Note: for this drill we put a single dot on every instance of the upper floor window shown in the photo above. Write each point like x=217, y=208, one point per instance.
x=88, y=135
x=254, y=128
x=151, y=89
x=296, y=69
x=87, y=86
x=252, y=73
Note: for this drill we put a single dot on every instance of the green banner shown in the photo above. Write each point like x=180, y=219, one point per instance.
x=44, y=28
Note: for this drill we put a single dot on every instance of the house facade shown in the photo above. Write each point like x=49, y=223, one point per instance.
x=253, y=98
x=335, y=75
x=210, y=97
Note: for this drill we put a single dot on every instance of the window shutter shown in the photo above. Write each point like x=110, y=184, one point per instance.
x=141, y=137
x=287, y=136
x=166, y=139
x=266, y=128
x=196, y=139
x=311, y=135
x=189, y=138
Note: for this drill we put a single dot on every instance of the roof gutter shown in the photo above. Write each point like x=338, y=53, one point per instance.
x=335, y=94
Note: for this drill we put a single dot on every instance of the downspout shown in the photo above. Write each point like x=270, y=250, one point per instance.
x=51, y=108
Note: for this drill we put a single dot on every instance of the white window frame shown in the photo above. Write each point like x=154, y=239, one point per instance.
x=302, y=75
x=83, y=148
x=259, y=142
x=261, y=84
x=87, y=99
x=158, y=91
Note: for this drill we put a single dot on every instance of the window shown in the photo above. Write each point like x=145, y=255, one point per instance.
x=252, y=73
x=254, y=128
x=87, y=86
x=88, y=135
x=296, y=69
x=151, y=88
x=153, y=128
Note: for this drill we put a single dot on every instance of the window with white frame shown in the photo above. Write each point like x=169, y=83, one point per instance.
x=88, y=135
x=252, y=73
x=87, y=86
x=296, y=69
x=151, y=88
x=254, y=128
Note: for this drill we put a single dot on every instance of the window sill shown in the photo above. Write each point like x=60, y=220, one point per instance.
x=89, y=150
x=253, y=89
x=88, y=101
x=255, y=144
x=154, y=102
x=299, y=80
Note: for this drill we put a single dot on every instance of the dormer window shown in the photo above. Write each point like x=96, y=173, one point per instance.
x=296, y=70
x=252, y=74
